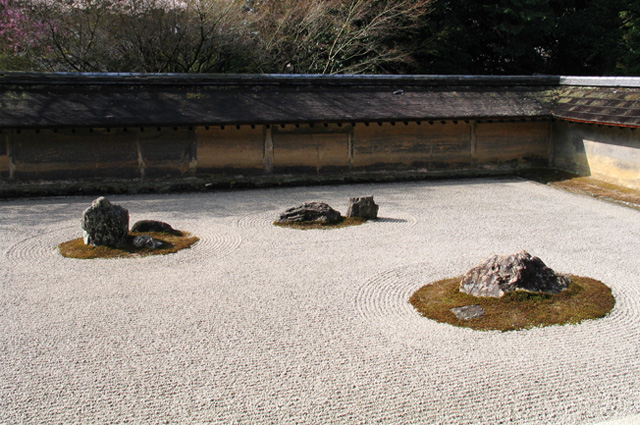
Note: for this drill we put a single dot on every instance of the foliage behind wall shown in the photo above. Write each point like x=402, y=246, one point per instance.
x=570, y=37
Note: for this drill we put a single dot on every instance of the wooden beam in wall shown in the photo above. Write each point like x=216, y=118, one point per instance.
x=268, y=149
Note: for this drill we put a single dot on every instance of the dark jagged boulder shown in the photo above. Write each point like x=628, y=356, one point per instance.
x=105, y=224
x=499, y=274
x=364, y=207
x=310, y=212
x=144, y=226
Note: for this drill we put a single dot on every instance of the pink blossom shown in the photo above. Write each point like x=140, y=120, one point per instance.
x=18, y=30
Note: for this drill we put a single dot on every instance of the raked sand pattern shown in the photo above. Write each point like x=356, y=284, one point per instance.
x=260, y=324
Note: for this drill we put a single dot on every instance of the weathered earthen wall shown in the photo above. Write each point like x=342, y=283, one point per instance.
x=230, y=149
x=606, y=153
x=512, y=141
x=65, y=154
x=166, y=151
x=306, y=149
x=412, y=146
x=5, y=163
x=332, y=149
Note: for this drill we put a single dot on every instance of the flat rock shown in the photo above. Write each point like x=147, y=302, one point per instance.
x=498, y=274
x=146, y=241
x=364, y=207
x=105, y=224
x=468, y=312
x=310, y=212
x=143, y=226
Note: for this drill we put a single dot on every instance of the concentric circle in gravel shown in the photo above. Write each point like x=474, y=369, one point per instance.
x=280, y=331
x=262, y=222
x=43, y=246
x=535, y=364
x=383, y=301
x=217, y=241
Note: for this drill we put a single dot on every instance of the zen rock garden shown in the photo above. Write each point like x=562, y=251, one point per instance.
x=319, y=213
x=106, y=226
x=503, y=292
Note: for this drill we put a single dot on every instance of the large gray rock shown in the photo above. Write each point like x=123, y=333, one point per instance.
x=105, y=224
x=499, y=274
x=363, y=206
x=310, y=212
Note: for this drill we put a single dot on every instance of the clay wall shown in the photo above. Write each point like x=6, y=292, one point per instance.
x=331, y=149
x=523, y=142
x=435, y=145
x=606, y=153
x=5, y=163
x=230, y=149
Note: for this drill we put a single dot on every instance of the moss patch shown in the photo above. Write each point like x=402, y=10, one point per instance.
x=586, y=186
x=306, y=225
x=601, y=190
x=585, y=299
x=172, y=243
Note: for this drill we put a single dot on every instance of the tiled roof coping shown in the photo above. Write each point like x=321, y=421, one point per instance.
x=59, y=78
x=29, y=99
x=306, y=79
x=600, y=81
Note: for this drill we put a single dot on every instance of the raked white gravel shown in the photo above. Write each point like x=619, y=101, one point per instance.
x=261, y=324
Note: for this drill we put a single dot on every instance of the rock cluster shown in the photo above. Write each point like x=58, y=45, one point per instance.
x=105, y=224
x=310, y=212
x=499, y=274
x=364, y=207
x=320, y=212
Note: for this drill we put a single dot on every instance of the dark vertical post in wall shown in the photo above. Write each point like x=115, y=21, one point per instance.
x=141, y=165
x=473, y=141
x=551, y=151
x=350, y=145
x=192, y=154
x=9, y=147
x=268, y=149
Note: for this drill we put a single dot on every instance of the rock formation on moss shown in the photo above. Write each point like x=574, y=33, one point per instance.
x=499, y=274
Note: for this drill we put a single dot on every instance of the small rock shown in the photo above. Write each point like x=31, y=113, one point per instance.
x=468, y=312
x=310, y=212
x=499, y=274
x=143, y=226
x=146, y=241
x=105, y=224
x=364, y=207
